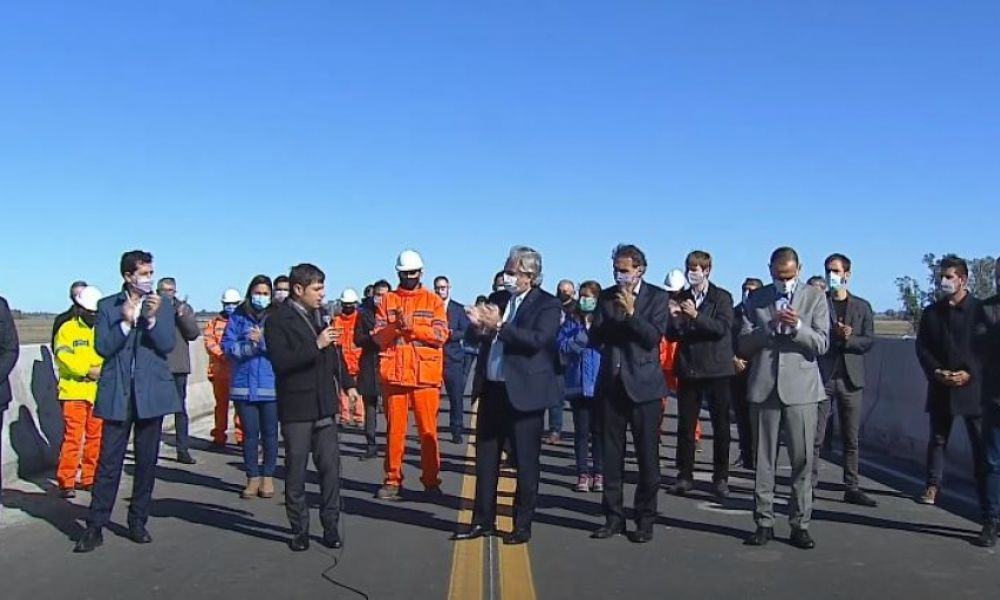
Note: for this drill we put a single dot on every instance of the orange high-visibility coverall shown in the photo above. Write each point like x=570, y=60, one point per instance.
x=411, y=373
x=668, y=353
x=344, y=324
x=220, y=375
x=76, y=356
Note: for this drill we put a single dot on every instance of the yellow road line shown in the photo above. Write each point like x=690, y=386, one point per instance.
x=467, y=557
x=516, y=582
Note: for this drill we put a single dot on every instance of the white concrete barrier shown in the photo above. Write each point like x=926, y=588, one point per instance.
x=33, y=429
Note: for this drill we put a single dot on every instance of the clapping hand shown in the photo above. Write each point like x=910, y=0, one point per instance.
x=689, y=309
x=625, y=299
x=489, y=317
x=254, y=334
x=150, y=305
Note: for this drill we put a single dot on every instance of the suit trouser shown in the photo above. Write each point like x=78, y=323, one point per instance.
x=498, y=421
x=454, y=385
x=345, y=409
x=991, y=442
x=220, y=389
x=941, y=421
x=114, y=441
x=301, y=438
x=741, y=408
x=618, y=411
x=371, y=413
x=81, y=444
x=798, y=421
x=181, y=418
x=689, y=397
x=848, y=399
x=425, y=403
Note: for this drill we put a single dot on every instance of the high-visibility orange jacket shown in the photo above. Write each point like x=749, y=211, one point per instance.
x=668, y=353
x=412, y=357
x=352, y=352
x=218, y=364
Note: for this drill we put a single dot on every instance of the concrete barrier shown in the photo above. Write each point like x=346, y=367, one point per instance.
x=893, y=421
x=33, y=426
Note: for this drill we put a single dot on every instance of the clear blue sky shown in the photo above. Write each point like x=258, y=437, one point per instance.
x=231, y=138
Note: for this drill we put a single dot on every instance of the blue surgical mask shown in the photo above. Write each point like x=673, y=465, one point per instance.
x=228, y=308
x=588, y=304
x=143, y=285
x=624, y=279
x=260, y=301
x=835, y=281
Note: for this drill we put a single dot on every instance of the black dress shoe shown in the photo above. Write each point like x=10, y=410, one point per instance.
x=859, y=498
x=516, y=537
x=89, y=541
x=139, y=535
x=184, y=457
x=299, y=543
x=988, y=536
x=370, y=453
x=609, y=530
x=474, y=532
x=331, y=539
x=800, y=539
x=682, y=487
x=641, y=536
x=760, y=537
x=456, y=438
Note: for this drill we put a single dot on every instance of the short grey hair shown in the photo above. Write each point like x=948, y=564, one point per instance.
x=529, y=261
x=166, y=281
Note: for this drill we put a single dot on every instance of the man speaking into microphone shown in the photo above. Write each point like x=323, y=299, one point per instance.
x=309, y=373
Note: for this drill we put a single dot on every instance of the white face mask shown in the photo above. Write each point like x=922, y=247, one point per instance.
x=280, y=295
x=696, y=278
x=510, y=283
x=949, y=286
x=143, y=285
x=835, y=281
x=784, y=286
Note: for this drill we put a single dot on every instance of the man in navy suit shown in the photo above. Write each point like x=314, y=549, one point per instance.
x=630, y=320
x=515, y=383
x=454, y=357
x=134, y=334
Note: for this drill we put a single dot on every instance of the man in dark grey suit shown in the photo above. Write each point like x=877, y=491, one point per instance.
x=852, y=334
x=629, y=323
x=785, y=331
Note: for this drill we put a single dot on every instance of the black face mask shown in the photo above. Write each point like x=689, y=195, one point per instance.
x=90, y=318
x=408, y=283
x=348, y=310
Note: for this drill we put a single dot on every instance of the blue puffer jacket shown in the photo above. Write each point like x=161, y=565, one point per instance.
x=253, y=377
x=581, y=360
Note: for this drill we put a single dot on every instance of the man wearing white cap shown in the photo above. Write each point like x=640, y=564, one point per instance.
x=79, y=369
x=344, y=324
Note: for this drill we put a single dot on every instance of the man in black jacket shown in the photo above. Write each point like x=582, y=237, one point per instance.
x=629, y=323
x=515, y=383
x=701, y=321
x=741, y=405
x=454, y=358
x=309, y=373
x=945, y=348
x=852, y=334
x=9, y=351
x=368, y=385
x=989, y=351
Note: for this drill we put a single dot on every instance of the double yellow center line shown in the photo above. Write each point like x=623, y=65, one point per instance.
x=472, y=571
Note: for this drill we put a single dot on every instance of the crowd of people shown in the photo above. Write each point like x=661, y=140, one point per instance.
x=778, y=359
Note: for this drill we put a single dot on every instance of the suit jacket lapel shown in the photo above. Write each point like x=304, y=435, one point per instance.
x=528, y=299
x=641, y=299
x=798, y=298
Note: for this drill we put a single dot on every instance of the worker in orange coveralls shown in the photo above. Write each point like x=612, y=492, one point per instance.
x=411, y=327
x=219, y=372
x=344, y=324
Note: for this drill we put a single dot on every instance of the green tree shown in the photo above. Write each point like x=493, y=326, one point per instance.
x=913, y=298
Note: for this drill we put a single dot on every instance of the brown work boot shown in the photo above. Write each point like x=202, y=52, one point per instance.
x=267, y=487
x=930, y=495
x=252, y=488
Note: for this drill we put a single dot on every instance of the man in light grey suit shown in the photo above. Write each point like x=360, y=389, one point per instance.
x=785, y=331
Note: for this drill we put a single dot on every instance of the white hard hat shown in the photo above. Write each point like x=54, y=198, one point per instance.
x=88, y=297
x=409, y=260
x=349, y=296
x=231, y=296
x=674, y=281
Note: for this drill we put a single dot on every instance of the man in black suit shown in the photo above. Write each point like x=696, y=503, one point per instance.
x=741, y=405
x=946, y=348
x=9, y=351
x=454, y=357
x=701, y=321
x=515, y=383
x=309, y=374
x=852, y=332
x=630, y=320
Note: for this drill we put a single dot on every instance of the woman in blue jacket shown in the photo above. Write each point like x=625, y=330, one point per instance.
x=582, y=361
x=252, y=386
